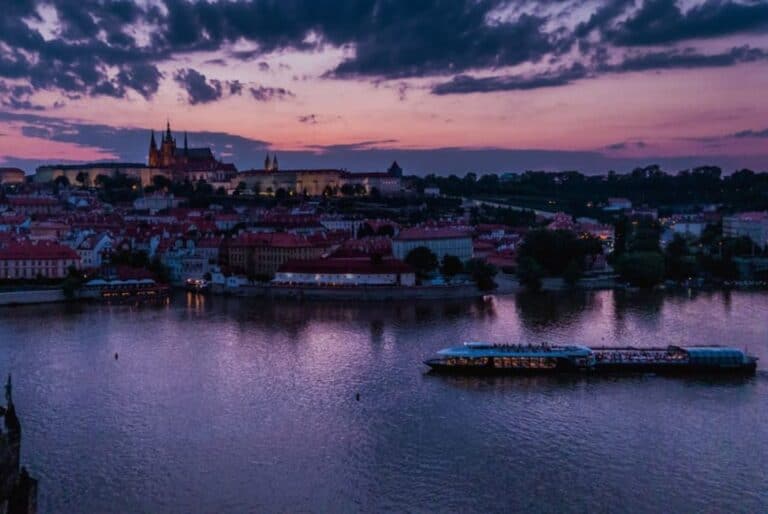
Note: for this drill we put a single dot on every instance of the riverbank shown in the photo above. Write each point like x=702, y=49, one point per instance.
x=31, y=296
x=358, y=293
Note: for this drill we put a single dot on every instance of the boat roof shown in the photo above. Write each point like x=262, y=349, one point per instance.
x=484, y=349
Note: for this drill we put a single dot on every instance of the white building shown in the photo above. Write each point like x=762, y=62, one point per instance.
x=441, y=241
x=32, y=260
x=753, y=225
x=92, y=249
x=345, y=272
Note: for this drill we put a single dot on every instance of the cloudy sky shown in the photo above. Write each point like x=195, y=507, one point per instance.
x=439, y=85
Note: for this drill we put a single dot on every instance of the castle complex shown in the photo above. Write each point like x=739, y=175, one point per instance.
x=183, y=163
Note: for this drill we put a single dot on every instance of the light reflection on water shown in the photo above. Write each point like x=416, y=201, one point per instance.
x=231, y=405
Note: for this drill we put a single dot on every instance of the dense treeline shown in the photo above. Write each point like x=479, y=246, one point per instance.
x=579, y=194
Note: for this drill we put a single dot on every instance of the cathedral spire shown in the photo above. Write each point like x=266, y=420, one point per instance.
x=186, y=147
x=267, y=164
x=152, y=143
x=168, y=130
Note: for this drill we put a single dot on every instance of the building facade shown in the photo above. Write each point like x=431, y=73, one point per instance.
x=30, y=261
x=340, y=272
x=440, y=241
x=753, y=225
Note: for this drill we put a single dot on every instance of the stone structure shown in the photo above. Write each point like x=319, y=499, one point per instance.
x=18, y=491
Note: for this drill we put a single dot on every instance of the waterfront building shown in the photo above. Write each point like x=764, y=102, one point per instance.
x=345, y=272
x=262, y=254
x=753, y=225
x=441, y=241
x=29, y=260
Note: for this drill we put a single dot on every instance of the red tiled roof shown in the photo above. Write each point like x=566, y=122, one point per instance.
x=416, y=234
x=26, y=251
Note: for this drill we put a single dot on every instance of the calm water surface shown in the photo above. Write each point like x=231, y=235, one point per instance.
x=220, y=405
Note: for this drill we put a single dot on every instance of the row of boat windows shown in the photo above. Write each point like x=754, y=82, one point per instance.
x=506, y=362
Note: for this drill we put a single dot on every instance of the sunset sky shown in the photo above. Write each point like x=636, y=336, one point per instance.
x=441, y=86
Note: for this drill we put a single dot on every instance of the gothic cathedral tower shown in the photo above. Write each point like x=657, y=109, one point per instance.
x=168, y=148
x=154, y=155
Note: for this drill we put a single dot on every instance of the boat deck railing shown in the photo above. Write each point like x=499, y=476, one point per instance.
x=638, y=355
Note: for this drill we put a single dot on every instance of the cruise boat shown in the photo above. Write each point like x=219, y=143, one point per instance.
x=481, y=357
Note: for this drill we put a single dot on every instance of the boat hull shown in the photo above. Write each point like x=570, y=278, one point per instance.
x=748, y=369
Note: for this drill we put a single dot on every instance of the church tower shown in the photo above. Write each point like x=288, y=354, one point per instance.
x=168, y=148
x=267, y=164
x=154, y=155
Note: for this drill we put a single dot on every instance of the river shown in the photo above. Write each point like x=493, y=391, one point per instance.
x=234, y=405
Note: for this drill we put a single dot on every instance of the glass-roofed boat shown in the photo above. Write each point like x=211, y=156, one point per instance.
x=482, y=357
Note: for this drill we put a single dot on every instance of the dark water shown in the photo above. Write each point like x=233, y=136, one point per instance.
x=222, y=405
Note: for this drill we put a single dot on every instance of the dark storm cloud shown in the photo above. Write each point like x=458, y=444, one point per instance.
x=96, y=50
x=627, y=144
x=662, y=21
x=751, y=134
x=267, y=94
x=463, y=84
x=688, y=58
x=201, y=90
x=647, y=61
x=309, y=119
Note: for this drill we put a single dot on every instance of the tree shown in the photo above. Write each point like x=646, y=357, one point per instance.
x=82, y=178
x=679, y=266
x=348, y=190
x=641, y=269
x=161, y=182
x=554, y=250
x=422, y=259
x=365, y=230
x=61, y=181
x=240, y=189
x=102, y=181
x=451, y=266
x=482, y=273
x=281, y=194
x=573, y=272
x=529, y=273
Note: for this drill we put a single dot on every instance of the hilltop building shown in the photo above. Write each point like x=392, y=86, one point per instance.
x=318, y=182
x=167, y=160
x=185, y=163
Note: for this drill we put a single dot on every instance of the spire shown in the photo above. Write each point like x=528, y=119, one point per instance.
x=186, y=148
x=9, y=391
x=152, y=143
x=274, y=163
x=267, y=164
x=168, y=130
